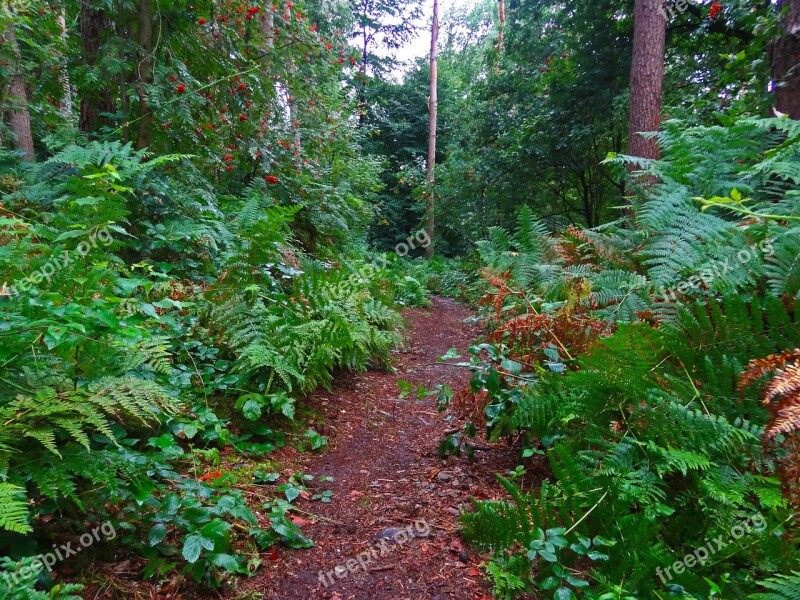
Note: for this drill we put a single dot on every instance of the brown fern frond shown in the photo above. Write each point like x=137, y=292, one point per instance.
x=759, y=367
x=782, y=393
x=787, y=419
x=786, y=383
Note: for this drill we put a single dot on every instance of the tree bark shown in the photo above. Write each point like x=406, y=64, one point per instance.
x=65, y=108
x=144, y=74
x=433, y=106
x=647, y=77
x=95, y=25
x=268, y=26
x=19, y=119
x=501, y=11
x=785, y=61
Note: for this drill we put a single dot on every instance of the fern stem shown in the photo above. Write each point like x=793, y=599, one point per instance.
x=579, y=521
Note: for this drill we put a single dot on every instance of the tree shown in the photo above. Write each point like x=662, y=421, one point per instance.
x=785, y=58
x=433, y=101
x=145, y=74
x=647, y=77
x=501, y=22
x=19, y=116
x=388, y=22
x=96, y=97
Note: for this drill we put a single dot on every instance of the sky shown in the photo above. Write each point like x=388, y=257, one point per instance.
x=421, y=45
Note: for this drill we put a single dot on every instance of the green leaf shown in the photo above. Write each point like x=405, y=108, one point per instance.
x=216, y=530
x=157, y=534
x=193, y=547
x=251, y=410
x=225, y=561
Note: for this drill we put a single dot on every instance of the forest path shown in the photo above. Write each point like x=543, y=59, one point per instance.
x=387, y=477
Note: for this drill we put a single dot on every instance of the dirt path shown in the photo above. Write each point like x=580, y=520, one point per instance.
x=387, y=478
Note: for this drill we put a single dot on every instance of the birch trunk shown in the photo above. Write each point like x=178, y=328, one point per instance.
x=433, y=102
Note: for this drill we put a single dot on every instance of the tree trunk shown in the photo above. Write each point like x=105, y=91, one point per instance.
x=647, y=77
x=65, y=108
x=501, y=11
x=144, y=75
x=19, y=119
x=291, y=70
x=362, y=78
x=268, y=26
x=433, y=106
x=785, y=61
x=95, y=25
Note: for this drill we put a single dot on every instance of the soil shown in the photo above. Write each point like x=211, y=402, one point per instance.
x=395, y=501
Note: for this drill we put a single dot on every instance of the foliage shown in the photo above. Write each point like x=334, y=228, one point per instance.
x=628, y=378
x=128, y=370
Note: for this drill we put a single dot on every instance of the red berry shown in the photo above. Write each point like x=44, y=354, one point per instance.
x=227, y=158
x=181, y=88
x=271, y=179
x=201, y=21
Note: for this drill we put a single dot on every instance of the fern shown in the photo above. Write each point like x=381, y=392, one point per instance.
x=783, y=266
x=782, y=587
x=13, y=510
x=18, y=582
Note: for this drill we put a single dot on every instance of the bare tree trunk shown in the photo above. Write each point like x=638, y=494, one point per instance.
x=19, y=119
x=95, y=25
x=144, y=74
x=268, y=25
x=501, y=35
x=63, y=75
x=433, y=107
x=647, y=77
x=291, y=69
x=785, y=61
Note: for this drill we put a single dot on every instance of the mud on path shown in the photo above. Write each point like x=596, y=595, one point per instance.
x=387, y=476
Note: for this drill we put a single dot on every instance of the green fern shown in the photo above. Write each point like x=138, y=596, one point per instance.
x=13, y=509
x=782, y=587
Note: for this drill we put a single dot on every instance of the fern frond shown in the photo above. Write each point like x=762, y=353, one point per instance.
x=13, y=509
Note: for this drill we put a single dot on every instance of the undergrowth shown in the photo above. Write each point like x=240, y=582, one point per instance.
x=623, y=356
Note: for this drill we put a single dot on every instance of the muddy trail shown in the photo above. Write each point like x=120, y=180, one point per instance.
x=388, y=479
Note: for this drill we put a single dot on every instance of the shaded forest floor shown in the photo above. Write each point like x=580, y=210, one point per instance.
x=388, y=477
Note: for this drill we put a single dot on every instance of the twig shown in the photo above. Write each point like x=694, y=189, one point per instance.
x=383, y=568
